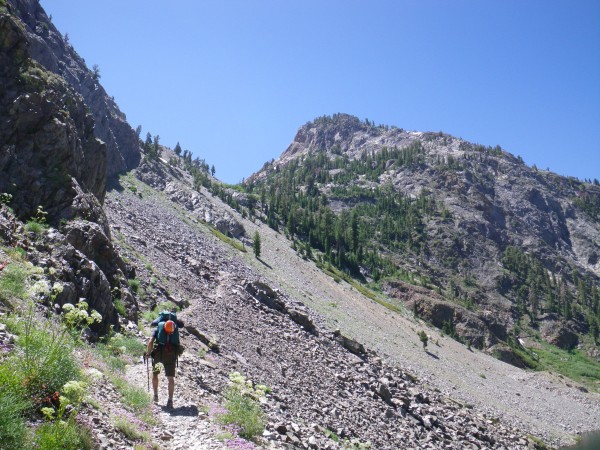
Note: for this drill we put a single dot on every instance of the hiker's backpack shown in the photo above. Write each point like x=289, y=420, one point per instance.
x=166, y=336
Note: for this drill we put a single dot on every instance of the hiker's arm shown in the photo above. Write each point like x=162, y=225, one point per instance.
x=150, y=345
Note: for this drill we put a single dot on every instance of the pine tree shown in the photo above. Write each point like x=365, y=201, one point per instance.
x=424, y=338
x=256, y=244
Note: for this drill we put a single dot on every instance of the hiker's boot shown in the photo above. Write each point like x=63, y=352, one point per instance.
x=170, y=404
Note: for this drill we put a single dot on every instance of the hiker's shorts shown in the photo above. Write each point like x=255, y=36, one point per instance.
x=168, y=358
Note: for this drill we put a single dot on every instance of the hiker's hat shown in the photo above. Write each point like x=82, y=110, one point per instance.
x=169, y=326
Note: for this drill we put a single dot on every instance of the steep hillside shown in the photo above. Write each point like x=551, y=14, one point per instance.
x=498, y=246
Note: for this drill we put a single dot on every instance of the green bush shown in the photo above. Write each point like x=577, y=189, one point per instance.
x=64, y=435
x=12, y=407
x=134, y=397
x=36, y=227
x=130, y=344
x=115, y=351
x=44, y=359
x=12, y=283
x=134, y=284
x=130, y=427
x=120, y=307
x=245, y=413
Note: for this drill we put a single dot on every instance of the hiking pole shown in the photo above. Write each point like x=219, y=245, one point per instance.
x=147, y=370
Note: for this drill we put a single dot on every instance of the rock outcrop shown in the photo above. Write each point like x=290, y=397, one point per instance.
x=53, y=167
x=49, y=156
x=47, y=46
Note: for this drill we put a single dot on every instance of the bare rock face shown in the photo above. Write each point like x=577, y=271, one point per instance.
x=49, y=155
x=560, y=333
x=48, y=47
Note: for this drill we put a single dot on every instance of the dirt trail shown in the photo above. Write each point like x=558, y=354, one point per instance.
x=187, y=425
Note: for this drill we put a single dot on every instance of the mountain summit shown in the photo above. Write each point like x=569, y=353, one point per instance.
x=497, y=244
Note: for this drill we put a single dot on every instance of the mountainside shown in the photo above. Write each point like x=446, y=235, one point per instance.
x=321, y=339
x=498, y=246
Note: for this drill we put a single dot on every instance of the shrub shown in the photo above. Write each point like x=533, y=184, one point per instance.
x=5, y=198
x=244, y=412
x=45, y=359
x=132, y=428
x=120, y=307
x=164, y=306
x=12, y=283
x=35, y=227
x=64, y=435
x=134, y=285
x=17, y=254
x=129, y=344
x=133, y=397
x=77, y=317
x=12, y=406
x=423, y=337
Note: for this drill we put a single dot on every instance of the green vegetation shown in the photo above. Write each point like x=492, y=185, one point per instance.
x=133, y=397
x=228, y=240
x=346, y=239
x=149, y=316
x=13, y=283
x=5, y=198
x=134, y=284
x=589, y=202
x=572, y=364
x=242, y=407
x=33, y=226
x=64, y=435
x=131, y=429
x=423, y=338
x=76, y=317
x=36, y=376
x=535, y=290
x=256, y=244
x=120, y=307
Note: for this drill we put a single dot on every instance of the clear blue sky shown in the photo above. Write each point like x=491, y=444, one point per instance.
x=233, y=80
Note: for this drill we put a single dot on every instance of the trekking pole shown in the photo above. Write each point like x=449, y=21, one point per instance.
x=147, y=370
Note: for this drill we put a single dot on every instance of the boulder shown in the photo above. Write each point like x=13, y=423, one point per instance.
x=349, y=344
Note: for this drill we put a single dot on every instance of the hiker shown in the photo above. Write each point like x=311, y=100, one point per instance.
x=166, y=350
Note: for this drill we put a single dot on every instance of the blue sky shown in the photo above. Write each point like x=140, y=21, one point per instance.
x=233, y=80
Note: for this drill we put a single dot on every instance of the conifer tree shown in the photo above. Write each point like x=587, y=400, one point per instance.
x=256, y=244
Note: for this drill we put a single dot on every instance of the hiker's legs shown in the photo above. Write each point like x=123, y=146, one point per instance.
x=171, y=381
x=155, y=384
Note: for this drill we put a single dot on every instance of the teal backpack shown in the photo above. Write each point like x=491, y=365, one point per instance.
x=164, y=338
